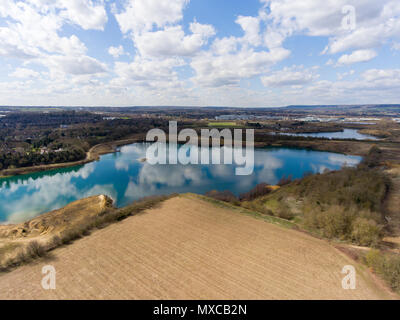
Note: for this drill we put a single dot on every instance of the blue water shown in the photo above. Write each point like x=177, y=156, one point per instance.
x=345, y=134
x=124, y=178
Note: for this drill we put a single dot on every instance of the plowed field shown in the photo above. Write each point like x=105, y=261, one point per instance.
x=189, y=248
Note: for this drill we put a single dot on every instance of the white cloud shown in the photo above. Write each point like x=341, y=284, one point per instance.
x=251, y=27
x=142, y=15
x=116, y=52
x=213, y=69
x=24, y=73
x=357, y=56
x=77, y=65
x=340, y=76
x=33, y=31
x=143, y=71
x=172, y=41
x=289, y=77
x=191, y=62
x=85, y=13
x=381, y=74
x=232, y=59
x=376, y=22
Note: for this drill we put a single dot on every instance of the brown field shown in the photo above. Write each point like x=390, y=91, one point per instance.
x=189, y=248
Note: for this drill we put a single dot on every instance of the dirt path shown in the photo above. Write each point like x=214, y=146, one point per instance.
x=192, y=249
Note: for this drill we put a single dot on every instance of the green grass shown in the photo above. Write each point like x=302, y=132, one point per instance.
x=222, y=124
x=267, y=218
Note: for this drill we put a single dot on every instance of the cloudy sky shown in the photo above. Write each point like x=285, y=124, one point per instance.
x=247, y=53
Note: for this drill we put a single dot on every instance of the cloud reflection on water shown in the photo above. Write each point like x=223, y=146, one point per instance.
x=124, y=178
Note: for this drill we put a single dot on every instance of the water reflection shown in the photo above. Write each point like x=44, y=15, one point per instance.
x=345, y=134
x=124, y=178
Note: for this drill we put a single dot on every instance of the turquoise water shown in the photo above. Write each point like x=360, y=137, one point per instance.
x=124, y=178
x=345, y=134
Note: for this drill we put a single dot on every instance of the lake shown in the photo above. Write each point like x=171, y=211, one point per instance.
x=124, y=178
x=345, y=134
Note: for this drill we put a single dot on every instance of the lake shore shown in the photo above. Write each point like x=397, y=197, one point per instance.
x=92, y=155
x=347, y=147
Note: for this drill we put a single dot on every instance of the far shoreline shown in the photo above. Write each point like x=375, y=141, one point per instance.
x=92, y=155
x=346, y=147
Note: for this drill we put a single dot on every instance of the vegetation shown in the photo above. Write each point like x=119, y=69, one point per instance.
x=222, y=124
x=372, y=159
x=259, y=190
x=12, y=160
x=226, y=196
x=386, y=265
x=344, y=205
x=33, y=138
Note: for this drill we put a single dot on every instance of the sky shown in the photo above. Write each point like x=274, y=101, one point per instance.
x=241, y=53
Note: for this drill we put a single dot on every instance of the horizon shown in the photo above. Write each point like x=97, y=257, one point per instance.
x=208, y=106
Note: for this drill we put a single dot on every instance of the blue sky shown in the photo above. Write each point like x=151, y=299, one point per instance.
x=255, y=53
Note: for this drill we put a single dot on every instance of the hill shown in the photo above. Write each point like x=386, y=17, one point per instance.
x=191, y=247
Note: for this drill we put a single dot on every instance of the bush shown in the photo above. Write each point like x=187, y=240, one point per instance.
x=386, y=265
x=333, y=223
x=36, y=249
x=259, y=190
x=366, y=232
x=284, y=212
x=360, y=227
x=256, y=206
x=372, y=159
x=392, y=272
x=374, y=260
x=284, y=181
x=54, y=242
x=226, y=196
x=349, y=187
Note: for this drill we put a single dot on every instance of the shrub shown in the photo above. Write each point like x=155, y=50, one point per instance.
x=256, y=206
x=36, y=249
x=226, y=196
x=339, y=222
x=372, y=159
x=54, y=242
x=366, y=232
x=284, y=181
x=259, y=190
x=374, y=260
x=336, y=222
x=284, y=212
x=392, y=272
x=386, y=265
